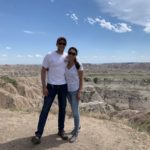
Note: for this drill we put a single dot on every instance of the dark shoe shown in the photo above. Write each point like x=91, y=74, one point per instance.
x=73, y=138
x=63, y=135
x=36, y=140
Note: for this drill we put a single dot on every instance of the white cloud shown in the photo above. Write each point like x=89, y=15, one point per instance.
x=119, y=27
x=4, y=55
x=147, y=28
x=132, y=11
x=91, y=20
x=38, y=56
x=28, y=32
x=52, y=1
x=29, y=56
x=8, y=47
x=114, y=59
x=73, y=17
x=110, y=3
x=31, y=32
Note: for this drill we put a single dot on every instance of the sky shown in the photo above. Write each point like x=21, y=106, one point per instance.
x=103, y=31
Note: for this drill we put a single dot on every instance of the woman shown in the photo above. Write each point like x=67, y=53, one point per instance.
x=74, y=78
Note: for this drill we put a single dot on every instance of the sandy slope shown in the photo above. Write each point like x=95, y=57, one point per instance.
x=16, y=129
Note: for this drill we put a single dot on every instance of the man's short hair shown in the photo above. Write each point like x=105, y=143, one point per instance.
x=61, y=39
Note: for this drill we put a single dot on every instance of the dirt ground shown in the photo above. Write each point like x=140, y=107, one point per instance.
x=17, y=128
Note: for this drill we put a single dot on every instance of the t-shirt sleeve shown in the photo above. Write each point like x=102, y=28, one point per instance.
x=81, y=67
x=45, y=62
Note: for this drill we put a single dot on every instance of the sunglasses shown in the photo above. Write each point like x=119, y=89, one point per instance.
x=61, y=43
x=73, y=54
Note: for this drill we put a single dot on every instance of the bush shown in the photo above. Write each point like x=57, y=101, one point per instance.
x=107, y=80
x=9, y=80
x=146, y=81
x=95, y=80
x=87, y=79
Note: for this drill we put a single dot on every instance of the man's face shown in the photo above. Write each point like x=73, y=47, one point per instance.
x=61, y=45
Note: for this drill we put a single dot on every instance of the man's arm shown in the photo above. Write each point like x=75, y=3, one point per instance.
x=43, y=80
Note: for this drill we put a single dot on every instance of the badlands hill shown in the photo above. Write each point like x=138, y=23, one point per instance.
x=110, y=91
x=118, y=86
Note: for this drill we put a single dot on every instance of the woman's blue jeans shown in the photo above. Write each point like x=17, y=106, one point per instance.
x=74, y=102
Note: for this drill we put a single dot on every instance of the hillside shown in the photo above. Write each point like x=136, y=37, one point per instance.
x=117, y=95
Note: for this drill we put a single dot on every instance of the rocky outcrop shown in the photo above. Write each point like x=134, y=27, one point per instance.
x=19, y=96
x=97, y=107
x=123, y=99
x=90, y=95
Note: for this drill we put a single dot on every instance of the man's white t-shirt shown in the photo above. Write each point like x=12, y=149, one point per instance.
x=72, y=78
x=56, y=67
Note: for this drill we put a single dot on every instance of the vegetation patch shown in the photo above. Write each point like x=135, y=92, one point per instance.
x=9, y=80
x=146, y=81
x=141, y=122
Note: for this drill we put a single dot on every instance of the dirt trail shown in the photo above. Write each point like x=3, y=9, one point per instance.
x=16, y=129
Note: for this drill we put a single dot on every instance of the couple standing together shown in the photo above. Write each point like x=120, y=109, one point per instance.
x=64, y=76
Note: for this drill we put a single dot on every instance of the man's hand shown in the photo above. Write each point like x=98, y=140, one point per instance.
x=45, y=91
x=43, y=78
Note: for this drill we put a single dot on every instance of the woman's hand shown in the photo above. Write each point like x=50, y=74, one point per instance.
x=45, y=91
x=78, y=95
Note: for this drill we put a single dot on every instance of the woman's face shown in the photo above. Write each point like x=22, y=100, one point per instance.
x=71, y=55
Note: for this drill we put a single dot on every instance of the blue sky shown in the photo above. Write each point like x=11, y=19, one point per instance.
x=103, y=31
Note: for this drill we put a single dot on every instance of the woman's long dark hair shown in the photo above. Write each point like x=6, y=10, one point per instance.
x=77, y=64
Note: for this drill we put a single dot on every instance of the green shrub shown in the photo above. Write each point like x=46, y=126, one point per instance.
x=107, y=80
x=87, y=79
x=146, y=81
x=9, y=80
x=95, y=80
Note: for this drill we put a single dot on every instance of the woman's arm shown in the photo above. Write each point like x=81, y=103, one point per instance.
x=80, y=73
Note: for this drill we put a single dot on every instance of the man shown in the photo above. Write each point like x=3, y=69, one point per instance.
x=54, y=66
